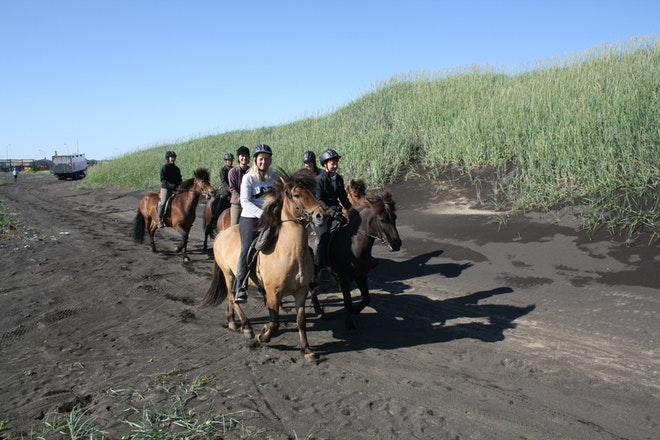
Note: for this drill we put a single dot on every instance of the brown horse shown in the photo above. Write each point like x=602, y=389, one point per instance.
x=282, y=269
x=349, y=250
x=222, y=222
x=181, y=214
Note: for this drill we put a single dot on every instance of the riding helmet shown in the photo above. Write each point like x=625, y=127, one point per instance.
x=170, y=154
x=309, y=156
x=329, y=154
x=262, y=148
x=245, y=151
x=229, y=156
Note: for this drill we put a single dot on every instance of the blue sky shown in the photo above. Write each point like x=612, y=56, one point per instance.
x=110, y=77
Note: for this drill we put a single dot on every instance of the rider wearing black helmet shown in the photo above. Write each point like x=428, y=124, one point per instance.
x=235, y=178
x=224, y=173
x=170, y=179
x=332, y=195
x=223, y=191
x=309, y=162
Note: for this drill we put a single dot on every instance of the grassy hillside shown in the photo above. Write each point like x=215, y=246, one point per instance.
x=580, y=130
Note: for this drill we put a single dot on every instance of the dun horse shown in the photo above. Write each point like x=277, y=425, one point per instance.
x=181, y=214
x=349, y=251
x=284, y=268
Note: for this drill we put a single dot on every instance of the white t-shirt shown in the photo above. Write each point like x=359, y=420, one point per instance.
x=252, y=192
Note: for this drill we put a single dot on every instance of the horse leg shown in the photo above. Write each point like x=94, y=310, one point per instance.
x=182, y=247
x=206, y=238
x=152, y=233
x=246, y=327
x=301, y=322
x=231, y=322
x=316, y=303
x=348, y=303
x=273, y=325
x=363, y=285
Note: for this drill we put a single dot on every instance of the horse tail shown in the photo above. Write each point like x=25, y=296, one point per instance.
x=138, y=227
x=217, y=292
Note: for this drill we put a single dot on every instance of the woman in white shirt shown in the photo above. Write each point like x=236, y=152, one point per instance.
x=255, y=184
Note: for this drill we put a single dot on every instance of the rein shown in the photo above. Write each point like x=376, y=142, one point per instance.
x=375, y=237
x=379, y=235
x=306, y=216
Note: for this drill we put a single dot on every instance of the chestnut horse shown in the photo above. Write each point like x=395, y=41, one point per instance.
x=222, y=222
x=284, y=268
x=181, y=215
x=349, y=250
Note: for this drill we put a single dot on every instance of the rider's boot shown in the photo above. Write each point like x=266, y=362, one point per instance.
x=161, y=223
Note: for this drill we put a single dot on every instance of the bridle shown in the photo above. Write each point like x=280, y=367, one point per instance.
x=305, y=216
x=380, y=235
x=199, y=187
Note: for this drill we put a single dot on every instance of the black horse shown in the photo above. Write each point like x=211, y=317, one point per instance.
x=349, y=250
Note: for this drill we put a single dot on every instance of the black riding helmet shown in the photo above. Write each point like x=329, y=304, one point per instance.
x=309, y=156
x=245, y=151
x=170, y=154
x=229, y=156
x=329, y=154
x=262, y=148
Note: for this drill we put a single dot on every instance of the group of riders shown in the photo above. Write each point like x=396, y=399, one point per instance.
x=242, y=188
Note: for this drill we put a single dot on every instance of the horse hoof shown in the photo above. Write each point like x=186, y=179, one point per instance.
x=231, y=326
x=248, y=333
x=186, y=259
x=311, y=356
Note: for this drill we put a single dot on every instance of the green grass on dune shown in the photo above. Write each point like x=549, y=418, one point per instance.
x=579, y=130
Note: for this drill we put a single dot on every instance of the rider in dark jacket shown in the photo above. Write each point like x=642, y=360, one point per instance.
x=224, y=193
x=170, y=179
x=332, y=195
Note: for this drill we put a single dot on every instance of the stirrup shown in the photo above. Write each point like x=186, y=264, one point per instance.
x=241, y=296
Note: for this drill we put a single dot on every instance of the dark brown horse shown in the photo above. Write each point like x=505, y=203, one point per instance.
x=282, y=269
x=222, y=222
x=349, y=250
x=181, y=215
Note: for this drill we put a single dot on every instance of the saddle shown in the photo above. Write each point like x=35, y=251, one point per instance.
x=264, y=242
x=168, y=208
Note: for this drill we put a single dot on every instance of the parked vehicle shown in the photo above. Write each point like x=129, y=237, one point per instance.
x=69, y=166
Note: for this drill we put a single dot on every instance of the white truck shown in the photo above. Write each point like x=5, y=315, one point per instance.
x=69, y=166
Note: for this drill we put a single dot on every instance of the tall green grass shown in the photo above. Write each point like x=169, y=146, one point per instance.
x=577, y=130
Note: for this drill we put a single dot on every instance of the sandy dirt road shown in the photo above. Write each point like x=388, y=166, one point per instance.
x=475, y=331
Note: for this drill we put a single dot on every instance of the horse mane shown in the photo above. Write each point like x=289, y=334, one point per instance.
x=381, y=202
x=357, y=188
x=186, y=185
x=203, y=174
x=275, y=197
x=200, y=173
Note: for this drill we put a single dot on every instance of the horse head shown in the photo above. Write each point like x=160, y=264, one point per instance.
x=384, y=228
x=293, y=199
x=202, y=182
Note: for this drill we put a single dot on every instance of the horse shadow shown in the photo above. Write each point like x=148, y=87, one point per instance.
x=400, y=320
x=390, y=275
x=410, y=320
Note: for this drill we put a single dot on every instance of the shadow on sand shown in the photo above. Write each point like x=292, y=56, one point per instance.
x=405, y=320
